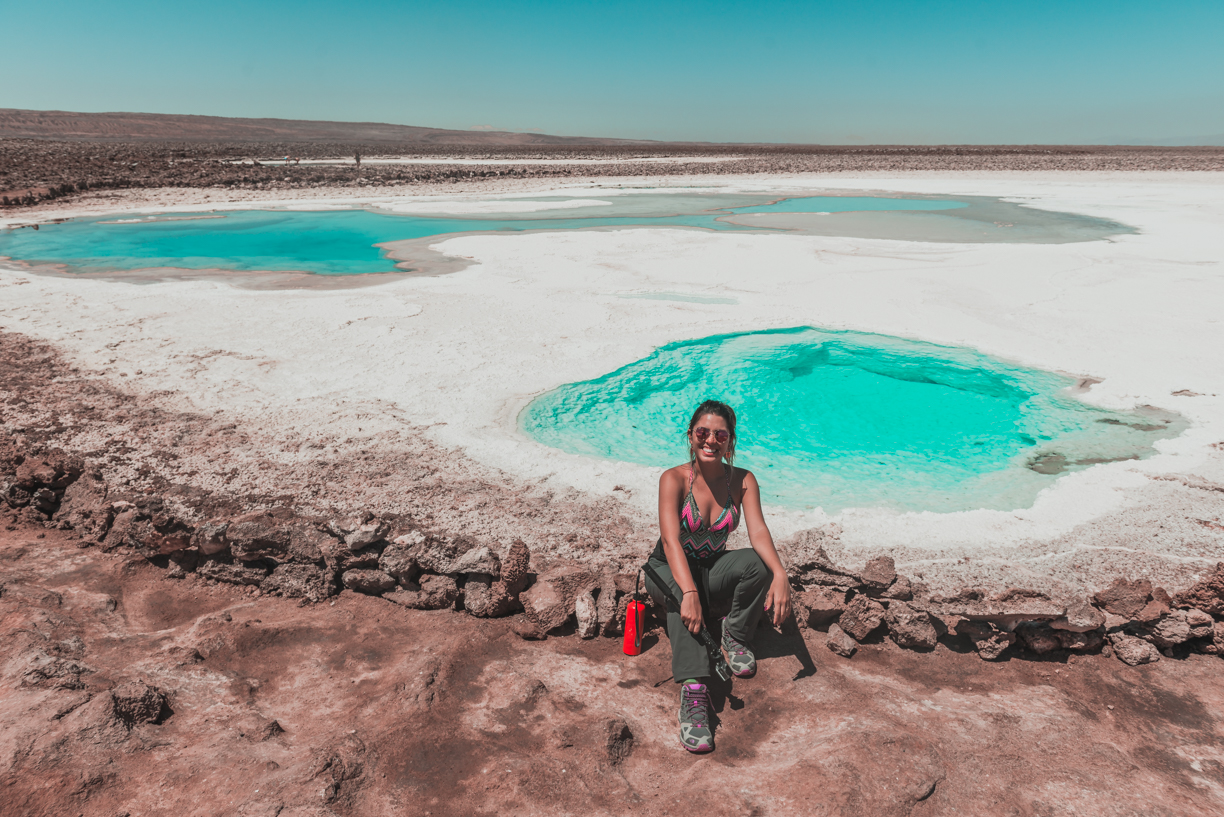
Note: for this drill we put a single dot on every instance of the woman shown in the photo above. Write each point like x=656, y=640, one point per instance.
x=700, y=504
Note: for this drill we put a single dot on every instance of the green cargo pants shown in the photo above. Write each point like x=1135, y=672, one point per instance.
x=738, y=575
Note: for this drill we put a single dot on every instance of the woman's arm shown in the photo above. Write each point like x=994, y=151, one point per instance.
x=671, y=487
x=777, y=601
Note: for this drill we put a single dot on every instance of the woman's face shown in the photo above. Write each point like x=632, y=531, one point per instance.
x=710, y=449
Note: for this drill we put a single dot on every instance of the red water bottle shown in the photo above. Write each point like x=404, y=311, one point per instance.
x=635, y=611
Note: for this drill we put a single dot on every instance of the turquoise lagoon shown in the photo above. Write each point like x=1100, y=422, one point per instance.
x=347, y=242
x=839, y=420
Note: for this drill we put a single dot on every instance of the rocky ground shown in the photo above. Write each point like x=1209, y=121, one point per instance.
x=34, y=170
x=131, y=692
x=195, y=622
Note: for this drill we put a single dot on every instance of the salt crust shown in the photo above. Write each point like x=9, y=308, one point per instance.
x=461, y=354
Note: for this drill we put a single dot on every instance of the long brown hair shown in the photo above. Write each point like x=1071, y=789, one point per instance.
x=718, y=409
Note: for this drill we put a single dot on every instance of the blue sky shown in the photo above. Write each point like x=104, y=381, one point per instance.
x=812, y=72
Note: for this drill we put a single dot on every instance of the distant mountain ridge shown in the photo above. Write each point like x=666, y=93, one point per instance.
x=157, y=127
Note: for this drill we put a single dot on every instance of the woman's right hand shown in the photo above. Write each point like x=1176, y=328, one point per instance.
x=690, y=612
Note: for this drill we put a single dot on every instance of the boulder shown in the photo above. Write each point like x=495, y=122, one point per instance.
x=136, y=703
x=367, y=534
x=433, y=593
x=1169, y=630
x=1201, y=624
x=232, y=573
x=396, y=561
x=450, y=554
x=84, y=506
x=818, y=605
x=300, y=582
x=127, y=529
x=485, y=598
x=1081, y=617
x=840, y=643
x=550, y=601
x=879, y=573
x=861, y=616
x=812, y=565
x=910, y=628
x=1124, y=598
x=1152, y=612
x=1090, y=641
x=1038, y=638
x=256, y=536
x=989, y=641
x=515, y=566
x=44, y=500
x=1006, y=610
x=605, y=605
x=55, y=471
x=586, y=615
x=1206, y=595
x=370, y=582
x=209, y=538
x=901, y=590
x=1133, y=651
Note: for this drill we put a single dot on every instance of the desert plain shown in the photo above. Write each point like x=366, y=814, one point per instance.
x=163, y=658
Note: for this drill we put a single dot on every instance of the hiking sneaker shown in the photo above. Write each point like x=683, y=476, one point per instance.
x=739, y=657
x=696, y=734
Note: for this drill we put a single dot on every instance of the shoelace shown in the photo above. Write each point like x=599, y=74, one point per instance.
x=734, y=646
x=696, y=706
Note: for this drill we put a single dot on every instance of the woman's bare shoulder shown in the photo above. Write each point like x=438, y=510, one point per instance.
x=676, y=473
x=741, y=477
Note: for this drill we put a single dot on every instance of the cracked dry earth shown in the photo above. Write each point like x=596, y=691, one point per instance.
x=360, y=707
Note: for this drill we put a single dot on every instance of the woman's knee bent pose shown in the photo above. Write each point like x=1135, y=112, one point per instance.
x=700, y=504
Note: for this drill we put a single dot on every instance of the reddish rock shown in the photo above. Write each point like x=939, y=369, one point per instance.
x=209, y=538
x=1207, y=594
x=485, y=598
x=879, y=573
x=434, y=593
x=396, y=561
x=550, y=601
x=1039, y=639
x=901, y=590
x=1133, y=651
x=370, y=582
x=232, y=573
x=839, y=642
x=1201, y=624
x=527, y=630
x=989, y=641
x=1125, y=598
x=136, y=703
x=910, y=628
x=56, y=471
x=605, y=604
x=586, y=615
x=1152, y=612
x=818, y=605
x=1090, y=641
x=515, y=566
x=256, y=536
x=300, y=582
x=84, y=506
x=1081, y=617
x=861, y=616
x=1006, y=610
x=1169, y=630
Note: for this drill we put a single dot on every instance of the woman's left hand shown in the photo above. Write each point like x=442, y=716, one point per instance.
x=778, y=601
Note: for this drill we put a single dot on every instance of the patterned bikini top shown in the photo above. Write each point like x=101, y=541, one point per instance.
x=699, y=540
